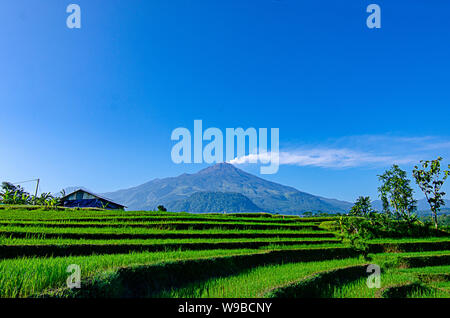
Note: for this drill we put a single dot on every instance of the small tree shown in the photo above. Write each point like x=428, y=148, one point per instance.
x=430, y=181
x=396, y=192
x=12, y=194
x=161, y=208
x=362, y=207
x=8, y=186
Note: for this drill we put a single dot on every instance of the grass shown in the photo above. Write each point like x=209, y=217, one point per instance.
x=258, y=281
x=14, y=251
x=359, y=289
x=189, y=246
x=130, y=230
x=83, y=214
x=8, y=213
x=58, y=241
x=183, y=225
x=410, y=240
x=161, y=217
x=23, y=277
x=445, y=269
x=392, y=276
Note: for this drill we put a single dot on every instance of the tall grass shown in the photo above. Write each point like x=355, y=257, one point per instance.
x=40, y=240
x=23, y=277
x=167, y=224
x=130, y=230
x=393, y=277
x=86, y=213
x=256, y=282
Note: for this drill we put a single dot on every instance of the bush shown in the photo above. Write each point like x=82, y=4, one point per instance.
x=161, y=208
x=380, y=225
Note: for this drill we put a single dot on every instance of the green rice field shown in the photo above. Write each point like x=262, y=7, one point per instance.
x=161, y=254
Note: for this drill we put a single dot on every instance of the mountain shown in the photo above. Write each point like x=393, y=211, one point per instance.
x=342, y=205
x=423, y=208
x=223, y=177
x=422, y=204
x=214, y=202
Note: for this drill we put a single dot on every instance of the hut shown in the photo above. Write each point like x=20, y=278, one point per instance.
x=82, y=198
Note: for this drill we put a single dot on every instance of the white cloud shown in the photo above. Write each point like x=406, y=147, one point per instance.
x=327, y=158
x=360, y=151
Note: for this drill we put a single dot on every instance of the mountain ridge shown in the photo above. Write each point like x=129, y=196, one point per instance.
x=214, y=202
x=225, y=178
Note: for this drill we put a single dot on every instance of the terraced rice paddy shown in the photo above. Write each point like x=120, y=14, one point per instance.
x=149, y=254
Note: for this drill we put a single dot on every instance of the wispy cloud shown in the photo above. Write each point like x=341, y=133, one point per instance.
x=359, y=151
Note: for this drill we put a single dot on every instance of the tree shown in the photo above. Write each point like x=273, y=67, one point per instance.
x=430, y=181
x=161, y=208
x=362, y=207
x=12, y=194
x=396, y=192
x=9, y=187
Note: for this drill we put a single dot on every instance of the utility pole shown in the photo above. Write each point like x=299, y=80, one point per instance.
x=37, y=186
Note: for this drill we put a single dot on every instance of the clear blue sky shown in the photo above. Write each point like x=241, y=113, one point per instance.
x=96, y=106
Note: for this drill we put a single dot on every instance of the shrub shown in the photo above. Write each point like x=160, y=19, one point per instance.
x=380, y=225
x=161, y=208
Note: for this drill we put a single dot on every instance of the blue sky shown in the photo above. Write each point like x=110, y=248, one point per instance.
x=96, y=106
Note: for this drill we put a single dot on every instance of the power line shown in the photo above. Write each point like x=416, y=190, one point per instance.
x=24, y=181
x=33, y=180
